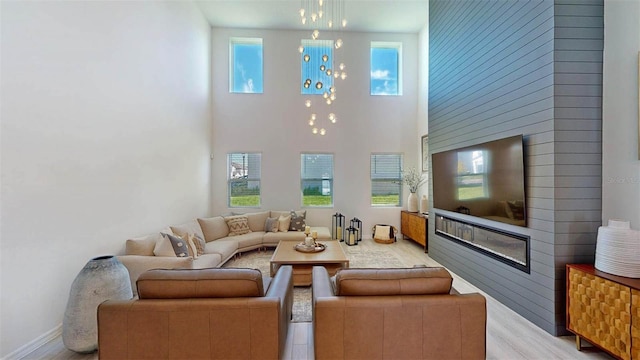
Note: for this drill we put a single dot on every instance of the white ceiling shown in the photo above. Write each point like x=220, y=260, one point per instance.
x=406, y=16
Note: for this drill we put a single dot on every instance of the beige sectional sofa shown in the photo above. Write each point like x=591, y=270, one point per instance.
x=220, y=245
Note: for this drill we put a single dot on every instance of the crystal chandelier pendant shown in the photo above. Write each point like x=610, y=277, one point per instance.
x=321, y=54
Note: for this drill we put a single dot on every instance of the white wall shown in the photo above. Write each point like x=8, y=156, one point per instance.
x=105, y=135
x=620, y=163
x=276, y=124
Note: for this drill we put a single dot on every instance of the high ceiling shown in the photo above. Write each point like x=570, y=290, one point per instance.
x=406, y=16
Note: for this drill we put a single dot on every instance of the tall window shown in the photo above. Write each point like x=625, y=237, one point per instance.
x=245, y=60
x=386, y=70
x=243, y=171
x=316, y=179
x=386, y=179
x=316, y=60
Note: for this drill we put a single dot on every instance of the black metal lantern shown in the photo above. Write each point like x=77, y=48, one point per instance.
x=337, y=227
x=351, y=236
x=357, y=224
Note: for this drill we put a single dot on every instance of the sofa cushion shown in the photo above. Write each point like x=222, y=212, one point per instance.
x=225, y=247
x=214, y=228
x=413, y=281
x=238, y=225
x=323, y=232
x=271, y=238
x=271, y=225
x=200, y=283
x=249, y=240
x=207, y=261
x=256, y=220
x=283, y=223
x=144, y=245
x=191, y=227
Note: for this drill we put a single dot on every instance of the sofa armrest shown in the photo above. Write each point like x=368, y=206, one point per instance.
x=137, y=264
x=281, y=287
x=321, y=283
x=282, y=283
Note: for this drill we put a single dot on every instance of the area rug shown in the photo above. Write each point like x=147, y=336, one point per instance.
x=361, y=256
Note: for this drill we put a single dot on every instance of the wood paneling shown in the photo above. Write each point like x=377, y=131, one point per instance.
x=498, y=69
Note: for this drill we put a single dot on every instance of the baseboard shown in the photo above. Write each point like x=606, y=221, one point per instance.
x=35, y=344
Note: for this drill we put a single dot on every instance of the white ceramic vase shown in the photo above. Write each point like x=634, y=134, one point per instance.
x=412, y=202
x=424, y=204
x=102, y=278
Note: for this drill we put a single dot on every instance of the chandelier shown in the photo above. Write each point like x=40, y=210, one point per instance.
x=320, y=54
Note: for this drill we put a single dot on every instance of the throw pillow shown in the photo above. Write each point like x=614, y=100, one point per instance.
x=297, y=222
x=171, y=245
x=382, y=232
x=271, y=225
x=198, y=242
x=193, y=251
x=283, y=223
x=238, y=225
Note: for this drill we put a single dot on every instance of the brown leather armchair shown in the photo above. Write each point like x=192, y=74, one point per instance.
x=199, y=313
x=395, y=314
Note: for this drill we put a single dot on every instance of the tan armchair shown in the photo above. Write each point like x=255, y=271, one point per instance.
x=395, y=314
x=199, y=313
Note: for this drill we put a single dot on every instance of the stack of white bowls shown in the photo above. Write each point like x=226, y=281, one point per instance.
x=618, y=249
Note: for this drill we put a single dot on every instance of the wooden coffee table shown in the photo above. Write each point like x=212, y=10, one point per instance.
x=332, y=258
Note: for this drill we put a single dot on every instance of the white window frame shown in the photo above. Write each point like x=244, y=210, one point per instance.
x=386, y=45
x=237, y=175
x=395, y=180
x=232, y=63
x=323, y=180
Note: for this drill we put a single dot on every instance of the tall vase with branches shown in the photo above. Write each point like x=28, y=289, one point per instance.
x=413, y=179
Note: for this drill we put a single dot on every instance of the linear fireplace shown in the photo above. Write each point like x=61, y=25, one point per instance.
x=507, y=247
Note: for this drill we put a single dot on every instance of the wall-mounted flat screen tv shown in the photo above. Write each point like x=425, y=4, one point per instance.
x=485, y=180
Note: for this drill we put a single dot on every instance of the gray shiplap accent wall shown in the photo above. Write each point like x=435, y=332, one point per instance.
x=578, y=46
x=502, y=68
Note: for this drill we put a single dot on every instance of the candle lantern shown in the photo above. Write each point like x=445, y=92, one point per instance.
x=351, y=236
x=337, y=227
x=357, y=224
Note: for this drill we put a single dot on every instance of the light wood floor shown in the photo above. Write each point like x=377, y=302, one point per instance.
x=509, y=335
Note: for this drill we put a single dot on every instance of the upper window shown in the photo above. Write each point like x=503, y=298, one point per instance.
x=245, y=60
x=386, y=179
x=316, y=179
x=243, y=171
x=316, y=62
x=386, y=71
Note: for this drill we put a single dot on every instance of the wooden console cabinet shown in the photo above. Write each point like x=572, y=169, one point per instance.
x=414, y=227
x=604, y=310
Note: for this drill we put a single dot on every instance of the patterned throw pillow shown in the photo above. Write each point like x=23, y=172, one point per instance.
x=198, y=242
x=297, y=222
x=238, y=225
x=180, y=246
x=271, y=225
